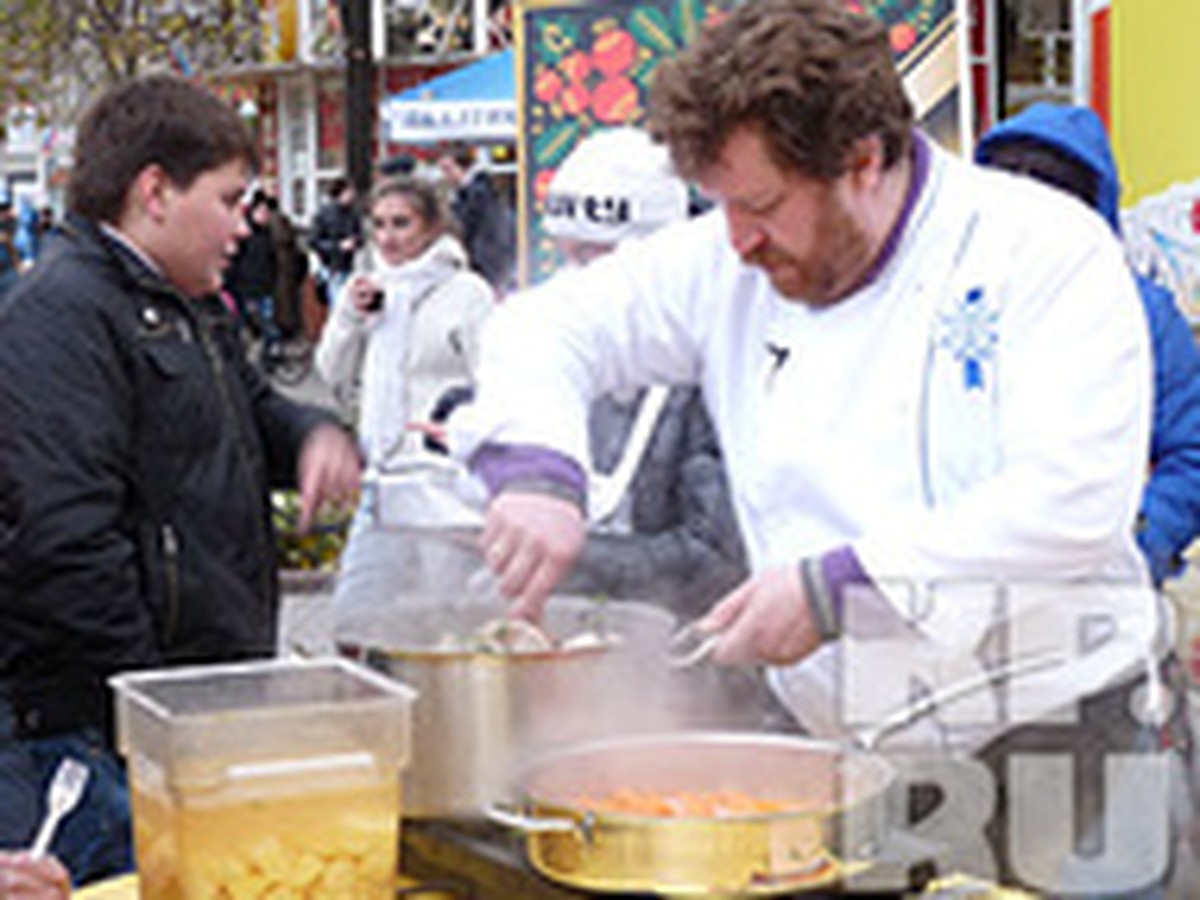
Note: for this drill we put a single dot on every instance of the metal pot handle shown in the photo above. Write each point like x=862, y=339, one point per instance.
x=519, y=821
x=870, y=738
x=798, y=878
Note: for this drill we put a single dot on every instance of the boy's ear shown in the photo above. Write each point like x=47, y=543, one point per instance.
x=149, y=192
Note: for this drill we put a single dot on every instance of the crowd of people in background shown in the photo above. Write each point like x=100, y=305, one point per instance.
x=25, y=233
x=280, y=263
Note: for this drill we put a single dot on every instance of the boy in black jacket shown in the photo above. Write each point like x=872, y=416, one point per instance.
x=137, y=453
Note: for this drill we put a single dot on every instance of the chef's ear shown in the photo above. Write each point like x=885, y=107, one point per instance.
x=865, y=161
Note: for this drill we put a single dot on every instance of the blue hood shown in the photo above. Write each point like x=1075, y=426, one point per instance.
x=1075, y=130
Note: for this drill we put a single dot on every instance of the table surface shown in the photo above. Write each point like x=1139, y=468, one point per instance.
x=126, y=888
x=442, y=860
x=452, y=860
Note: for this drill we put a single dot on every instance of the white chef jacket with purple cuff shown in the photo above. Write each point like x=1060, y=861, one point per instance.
x=978, y=411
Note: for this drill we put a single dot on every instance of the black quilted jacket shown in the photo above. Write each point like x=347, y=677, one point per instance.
x=136, y=454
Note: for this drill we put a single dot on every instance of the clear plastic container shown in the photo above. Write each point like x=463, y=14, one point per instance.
x=275, y=778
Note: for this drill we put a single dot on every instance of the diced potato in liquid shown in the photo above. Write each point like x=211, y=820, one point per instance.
x=318, y=846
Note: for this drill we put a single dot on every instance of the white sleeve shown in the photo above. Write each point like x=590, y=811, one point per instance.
x=624, y=321
x=339, y=352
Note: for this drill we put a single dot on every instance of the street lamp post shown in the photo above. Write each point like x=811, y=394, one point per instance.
x=360, y=118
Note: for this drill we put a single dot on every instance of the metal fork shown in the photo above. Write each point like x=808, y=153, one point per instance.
x=66, y=788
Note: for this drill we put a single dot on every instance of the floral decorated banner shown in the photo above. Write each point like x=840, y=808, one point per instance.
x=588, y=64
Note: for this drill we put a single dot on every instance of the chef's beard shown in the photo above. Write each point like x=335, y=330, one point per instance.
x=838, y=256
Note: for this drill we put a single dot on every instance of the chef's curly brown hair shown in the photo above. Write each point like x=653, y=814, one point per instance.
x=156, y=119
x=810, y=76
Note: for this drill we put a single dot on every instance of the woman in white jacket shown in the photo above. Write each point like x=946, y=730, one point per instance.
x=404, y=330
x=408, y=327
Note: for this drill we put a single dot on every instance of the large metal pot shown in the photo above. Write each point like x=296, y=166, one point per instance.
x=480, y=715
x=838, y=826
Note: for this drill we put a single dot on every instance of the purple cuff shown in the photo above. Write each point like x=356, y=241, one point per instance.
x=842, y=570
x=847, y=581
x=502, y=466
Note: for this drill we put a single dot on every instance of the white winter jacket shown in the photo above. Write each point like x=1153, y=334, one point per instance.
x=423, y=341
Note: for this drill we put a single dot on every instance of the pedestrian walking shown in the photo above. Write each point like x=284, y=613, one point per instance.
x=253, y=278
x=484, y=217
x=407, y=328
x=336, y=237
x=291, y=272
x=10, y=257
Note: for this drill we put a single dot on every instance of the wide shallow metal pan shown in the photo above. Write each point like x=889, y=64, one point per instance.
x=833, y=826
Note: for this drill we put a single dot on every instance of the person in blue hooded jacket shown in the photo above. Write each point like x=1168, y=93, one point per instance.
x=1068, y=147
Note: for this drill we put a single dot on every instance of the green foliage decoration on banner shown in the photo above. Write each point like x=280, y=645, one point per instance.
x=590, y=66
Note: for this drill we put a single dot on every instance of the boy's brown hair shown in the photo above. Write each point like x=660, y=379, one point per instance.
x=152, y=120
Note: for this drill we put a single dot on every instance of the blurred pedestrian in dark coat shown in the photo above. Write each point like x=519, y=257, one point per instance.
x=10, y=261
x=291, y=271
x=253, y=275
x=336, y=237
x=484, y=217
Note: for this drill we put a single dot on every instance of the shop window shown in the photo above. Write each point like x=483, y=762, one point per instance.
x=1039, y=52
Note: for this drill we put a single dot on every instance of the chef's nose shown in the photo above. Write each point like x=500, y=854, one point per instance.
x=745, y=233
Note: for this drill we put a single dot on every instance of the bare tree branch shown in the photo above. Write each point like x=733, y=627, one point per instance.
x=46, y=45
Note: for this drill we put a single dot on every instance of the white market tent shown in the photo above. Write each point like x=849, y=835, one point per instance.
x=476, y=102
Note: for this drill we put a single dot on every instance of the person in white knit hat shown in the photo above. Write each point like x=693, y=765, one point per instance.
x=661, y=523
x=617, y=184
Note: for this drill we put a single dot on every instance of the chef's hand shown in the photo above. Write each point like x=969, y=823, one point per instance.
x=24, y=878
x=531, y=541
x=330, y=471
x=764, y=620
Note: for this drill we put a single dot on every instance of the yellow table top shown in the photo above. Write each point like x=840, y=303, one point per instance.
x=124, y=888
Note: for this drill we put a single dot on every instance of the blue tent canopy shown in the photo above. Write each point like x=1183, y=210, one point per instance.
x=476, y=102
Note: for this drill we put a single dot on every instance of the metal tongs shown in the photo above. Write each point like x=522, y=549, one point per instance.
x=691, y=645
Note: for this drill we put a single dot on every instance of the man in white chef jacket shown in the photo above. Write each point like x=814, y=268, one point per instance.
x=931, y=384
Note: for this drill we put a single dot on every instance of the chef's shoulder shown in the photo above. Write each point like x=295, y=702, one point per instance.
x=1038, y=219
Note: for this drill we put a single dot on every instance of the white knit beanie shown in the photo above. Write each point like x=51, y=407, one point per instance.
x=616, y=184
